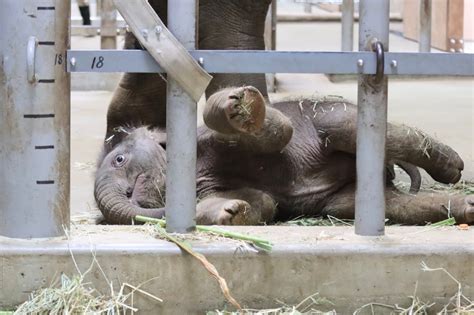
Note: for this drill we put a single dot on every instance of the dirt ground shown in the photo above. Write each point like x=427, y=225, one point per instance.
x=442, y=107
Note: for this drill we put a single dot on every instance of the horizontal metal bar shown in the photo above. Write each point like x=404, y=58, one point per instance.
x=88, y=30
x=251, y=61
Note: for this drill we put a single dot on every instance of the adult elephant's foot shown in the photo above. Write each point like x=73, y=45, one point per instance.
x=245, y=109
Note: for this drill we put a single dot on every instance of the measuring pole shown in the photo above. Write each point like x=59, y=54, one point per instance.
x=34, y=118
x=181, y=130
x=371, y=124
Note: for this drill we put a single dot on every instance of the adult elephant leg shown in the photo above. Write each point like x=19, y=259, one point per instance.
x=233, y=25
x=406, y=208
x=239, y=117
x=140, y=98
x=244, y=206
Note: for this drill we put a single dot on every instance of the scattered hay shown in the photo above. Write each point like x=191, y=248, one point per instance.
x=307, y=306
x=317, y=221
x=458, y=304
x=72, y=296
x=75, y=296
x=463, y=187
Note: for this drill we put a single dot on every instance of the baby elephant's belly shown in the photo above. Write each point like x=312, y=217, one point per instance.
x=297, y=188
x=308, y=191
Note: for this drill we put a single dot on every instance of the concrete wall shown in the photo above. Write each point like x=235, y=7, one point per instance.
x=348, y=270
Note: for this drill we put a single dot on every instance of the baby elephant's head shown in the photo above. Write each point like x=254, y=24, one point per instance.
x=130, y=179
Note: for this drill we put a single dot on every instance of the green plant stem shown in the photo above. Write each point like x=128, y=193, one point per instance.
x=261, y=243
x=447, y=222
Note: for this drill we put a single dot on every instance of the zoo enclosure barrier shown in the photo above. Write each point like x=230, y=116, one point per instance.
x=39, y=106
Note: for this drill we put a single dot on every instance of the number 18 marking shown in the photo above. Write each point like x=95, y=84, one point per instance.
x=97, y=62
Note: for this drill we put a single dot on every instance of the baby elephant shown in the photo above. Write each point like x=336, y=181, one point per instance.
x=257, y=164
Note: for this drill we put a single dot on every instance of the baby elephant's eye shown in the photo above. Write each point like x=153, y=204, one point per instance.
x=119, y=160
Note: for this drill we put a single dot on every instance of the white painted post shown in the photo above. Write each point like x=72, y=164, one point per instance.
x=34, y=118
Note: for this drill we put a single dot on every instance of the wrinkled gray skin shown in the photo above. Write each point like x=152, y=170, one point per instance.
x=259, y=163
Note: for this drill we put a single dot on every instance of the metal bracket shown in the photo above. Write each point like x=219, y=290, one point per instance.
x=170, y=53
x=31, y=59
x=377, y=47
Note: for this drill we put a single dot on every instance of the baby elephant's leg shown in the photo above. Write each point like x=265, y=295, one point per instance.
x=428, y=207
x=337, y=121
x=241, y=119
x=406, y=208
x=235, y=110
x=236, y=207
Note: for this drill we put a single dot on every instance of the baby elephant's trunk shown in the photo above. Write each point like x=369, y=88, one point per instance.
x=116, y=207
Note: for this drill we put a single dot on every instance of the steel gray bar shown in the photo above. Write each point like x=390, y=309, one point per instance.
x=89, y=30
x=251, y=61
x=181, y=128
x=371, y=125
x=108, y=25
x=347, y=22
x=273, y=12
x=425, y=26
x=34, y=118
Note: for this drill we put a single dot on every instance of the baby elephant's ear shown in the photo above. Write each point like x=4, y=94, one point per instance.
x=162, y=140
x=117, y=136
x=160, y=136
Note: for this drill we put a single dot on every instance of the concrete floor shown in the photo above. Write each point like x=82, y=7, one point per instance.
x=442, y=107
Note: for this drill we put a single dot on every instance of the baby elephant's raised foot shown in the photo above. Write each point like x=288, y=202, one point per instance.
x=443, y=163
x=245, y=109
x=449, y=169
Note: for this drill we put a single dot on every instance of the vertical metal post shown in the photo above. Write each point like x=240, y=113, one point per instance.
x=347, y=22
x=270, y=41
x=425, y=26
x=273, y=14
x=98, y=6
x=108, y=25
x=371, y=125
x=34, y=118
x=181, y=128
